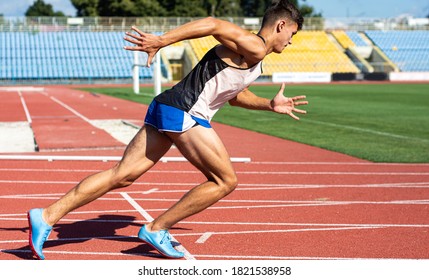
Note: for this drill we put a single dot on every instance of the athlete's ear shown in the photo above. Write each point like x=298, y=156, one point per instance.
x=280, y=25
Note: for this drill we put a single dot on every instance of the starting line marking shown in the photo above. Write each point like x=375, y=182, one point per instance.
x=30, y=88
x=149, y=218
x=98, y=158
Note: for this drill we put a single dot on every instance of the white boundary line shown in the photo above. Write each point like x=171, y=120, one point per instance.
x=391, y=135
x=24, y=105
x=180, y=159
x=30, y=88
x=97, y=158
x=205, y=235
x=69, y=108
x=22, y=217
x=283, y=203
x=238, y=257
x=336, y=163
x=149, y=218
x=241, y=187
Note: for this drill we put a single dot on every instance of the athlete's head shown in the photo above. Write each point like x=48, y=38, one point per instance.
x=283, y=20
x=282, y=9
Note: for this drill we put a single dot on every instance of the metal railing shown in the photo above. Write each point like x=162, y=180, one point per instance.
x=162, y=24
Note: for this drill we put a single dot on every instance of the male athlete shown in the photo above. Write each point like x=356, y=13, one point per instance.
x=182, y=115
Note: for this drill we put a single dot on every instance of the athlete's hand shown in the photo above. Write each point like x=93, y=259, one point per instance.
x=144, y=42
x=284, y=105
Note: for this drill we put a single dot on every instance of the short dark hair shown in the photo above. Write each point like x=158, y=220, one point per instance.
x=282, y=9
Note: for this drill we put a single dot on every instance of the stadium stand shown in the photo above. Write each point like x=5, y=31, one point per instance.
x=409, y=50
x=356, y=38
x=342, y=38
x=52, y=50
x=311, y=51
x=349, y=39
x=65, y=55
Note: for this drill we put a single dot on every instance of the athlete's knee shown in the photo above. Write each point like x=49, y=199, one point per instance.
x=122, y=178
x=228, y=183
x=123, y=182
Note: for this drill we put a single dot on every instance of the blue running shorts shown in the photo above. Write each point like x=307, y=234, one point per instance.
x=171, y=119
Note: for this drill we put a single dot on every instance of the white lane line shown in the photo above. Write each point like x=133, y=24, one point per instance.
x=154, y=190
x=204, y=237
x=79, y=253
x=401, y=173
x=284, y=230
x=336, y=163
x=98, y=158
x=70, y=109
x=136, y=206
x=24, y=105
x=265, y=206
x=239, y=257
x=391, y=135
x=241, y=185
x=149, y=218
x=269, y=224
x=283, y=203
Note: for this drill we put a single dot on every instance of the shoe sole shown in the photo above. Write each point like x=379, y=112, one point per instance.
x=30, y=241
x=167, y=256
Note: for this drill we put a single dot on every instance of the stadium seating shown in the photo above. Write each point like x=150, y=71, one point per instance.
x=344, y=40
x=409, y=50
x=349, y=39
x=66, y=55
x=311, y=51
x=85, y=55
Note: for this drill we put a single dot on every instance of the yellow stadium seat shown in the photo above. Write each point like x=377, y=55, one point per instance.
x=311, y=51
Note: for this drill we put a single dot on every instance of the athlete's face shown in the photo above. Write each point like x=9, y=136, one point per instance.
x=285, y=32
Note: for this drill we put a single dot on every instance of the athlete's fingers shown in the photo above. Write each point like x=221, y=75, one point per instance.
x=298, y=97
x=135, y=42
x=132, y=48
x=293, y=116
x=131, y=35
x=282, y=88
x=149, y=59
x=300, y=103
x=299, y=111
x=137, y=30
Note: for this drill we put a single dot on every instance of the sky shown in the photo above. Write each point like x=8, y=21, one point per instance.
x=328, y=8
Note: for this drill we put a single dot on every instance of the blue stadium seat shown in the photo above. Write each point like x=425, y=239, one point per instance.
x=407, y=49
x=66, y=55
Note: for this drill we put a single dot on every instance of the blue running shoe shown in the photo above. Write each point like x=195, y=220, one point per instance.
x=160, y=241
x=39, y=232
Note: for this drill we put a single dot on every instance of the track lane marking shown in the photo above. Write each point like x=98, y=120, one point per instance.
x=242, y=185
x=24, y=105
x=254, y=257
x=149, y=218
x=238, y=172
x=204, y=237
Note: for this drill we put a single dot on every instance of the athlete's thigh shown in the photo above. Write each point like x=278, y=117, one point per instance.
x=205, y=150
x=144, y=150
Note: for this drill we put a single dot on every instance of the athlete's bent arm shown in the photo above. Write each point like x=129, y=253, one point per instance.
x=228, y=34
x=279, y=104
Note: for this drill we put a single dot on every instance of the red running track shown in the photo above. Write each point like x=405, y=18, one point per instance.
x=293, y=201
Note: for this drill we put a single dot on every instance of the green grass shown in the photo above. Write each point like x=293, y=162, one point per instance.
x=376, y=122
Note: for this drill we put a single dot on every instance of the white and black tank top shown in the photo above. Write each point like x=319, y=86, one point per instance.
x=209, y=86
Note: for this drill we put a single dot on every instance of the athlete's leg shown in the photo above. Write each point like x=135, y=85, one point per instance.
x=204, y=149
x=147, y=147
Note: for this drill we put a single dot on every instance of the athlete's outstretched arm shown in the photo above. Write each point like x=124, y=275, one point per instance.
x=279, y=104
x=230, y=35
